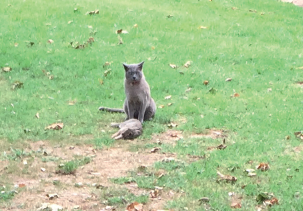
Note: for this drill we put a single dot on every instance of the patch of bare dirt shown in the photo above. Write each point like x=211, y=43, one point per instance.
x=168, y=137
x=295, y=2
x=76, y=190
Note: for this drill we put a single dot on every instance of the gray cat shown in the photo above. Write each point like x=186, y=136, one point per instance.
x=138, y=103
x=129, y=129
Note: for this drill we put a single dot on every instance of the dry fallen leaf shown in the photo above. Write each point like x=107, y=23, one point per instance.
x=120, y=40
x=236, y=95
x=6, y=69
x=49, y=206
x=55, y=126
x=50, y=41
x=271, y=202
x=154, y=193
x=173, y=66
x=188, y=90
x=90, y=40
x=121, y=31
x=155, y=149
x=135, y=206
x=21, y=185
x=235, y=205
x=205, y=82
x=169, y=104
x=171, y=125
x=16, y=44
x=187, y=64
x=227, y=178
x=204, y=199
x=153, y=47
x=37, y=115
x=69, y=22
x=136, y=25
x=107, y=64
x=167, y=97
x=202, y=27
x=161, y=106
x=263, y=166
x=52, y=196
x=228, y=79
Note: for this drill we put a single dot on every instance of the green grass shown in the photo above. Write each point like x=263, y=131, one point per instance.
x=258, y=50
x=71, y=166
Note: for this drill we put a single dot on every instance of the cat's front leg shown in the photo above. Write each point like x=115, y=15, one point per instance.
x=131, y=110
x=142, y=112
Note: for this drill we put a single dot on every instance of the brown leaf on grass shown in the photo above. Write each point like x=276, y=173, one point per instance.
x=202, y=27
x=92, y=12
x=49, y=206
x=235, y=205
x=107, y=64
x=16, y=44
x=21, y=185
x=167, y=97
x=188, y=90
x=135, y=206
x=90, y=40
x=17, y=85
x=6, y=69
x=136, y=25
x=154, y=193
x=252, y=11
x=161, y=106
x=221, y=146
x=299, y=135
x=187, y=64
x=236, y=95
x=52, y=196
x=171, y=125
x=227, y=178
x=204, y=200
x=106, y=72
x=271, y=202
x=299, y=68
x=169, y=104
x=50, y=41
x=121, y=31
x=263, y=166
x=155, y=149
x=55, y=126
x=228, y=79
x=205, y=83
x=37, y=115
x=69, y=22
x=234, y=8
x=173, y=66
x=120, y=40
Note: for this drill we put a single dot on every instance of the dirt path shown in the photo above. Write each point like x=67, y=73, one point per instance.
x=295, y=2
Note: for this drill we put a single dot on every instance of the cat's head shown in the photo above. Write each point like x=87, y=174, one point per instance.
x=133, y=72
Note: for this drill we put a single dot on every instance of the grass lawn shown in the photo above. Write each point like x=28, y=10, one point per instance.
x=60, y=63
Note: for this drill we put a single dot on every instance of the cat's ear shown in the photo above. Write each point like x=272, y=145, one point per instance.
x=125, y=67
x=140, y=65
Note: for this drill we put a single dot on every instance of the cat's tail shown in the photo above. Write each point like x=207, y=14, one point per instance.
x=114, y=110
